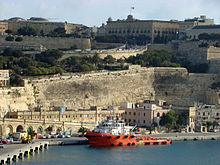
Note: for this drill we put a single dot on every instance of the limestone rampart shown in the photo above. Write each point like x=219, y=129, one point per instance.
x=53, y=42
x=175, y=85
x=117, y=54
x=172, y=84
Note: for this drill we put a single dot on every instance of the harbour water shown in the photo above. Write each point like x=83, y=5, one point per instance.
x=179, y=153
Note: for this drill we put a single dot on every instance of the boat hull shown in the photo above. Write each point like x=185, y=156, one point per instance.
x=107, y=139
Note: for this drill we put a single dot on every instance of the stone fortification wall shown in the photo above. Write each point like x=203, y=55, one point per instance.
x=17, y=98
x=167, y=47
x=214, y=66
x=190, y=50
x=44, y=27
x=117, y=54
x=193, y=52
x=174, y=85
x=53, y=42
x=213, y=53
x=21, y=46
x=121, y=53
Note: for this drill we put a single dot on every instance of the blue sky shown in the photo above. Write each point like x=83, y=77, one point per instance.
x=96, y=12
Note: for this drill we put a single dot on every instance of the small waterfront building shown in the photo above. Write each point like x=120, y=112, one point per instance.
x=207, y=113
x=143, y=114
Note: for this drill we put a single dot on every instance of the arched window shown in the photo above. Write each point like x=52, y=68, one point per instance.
x=158, y=114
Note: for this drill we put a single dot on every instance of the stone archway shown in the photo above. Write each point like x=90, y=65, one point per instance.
x=30, y=128
x=19, y=129
x=39, y=130
x=9, y=130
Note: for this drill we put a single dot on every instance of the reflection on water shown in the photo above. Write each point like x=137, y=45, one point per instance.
x=181, y=153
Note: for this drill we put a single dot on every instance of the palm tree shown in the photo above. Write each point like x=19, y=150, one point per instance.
x=152, y=127
x=83, y=130
x=214, y=124
x=208, y=125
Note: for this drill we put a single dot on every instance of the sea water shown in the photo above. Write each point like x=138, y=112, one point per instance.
x=178, y=153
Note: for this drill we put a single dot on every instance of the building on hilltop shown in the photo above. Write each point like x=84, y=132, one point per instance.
x=135, y=27
x=195, y=31
x=196, y=21
x=4, y=78
x=43, y=26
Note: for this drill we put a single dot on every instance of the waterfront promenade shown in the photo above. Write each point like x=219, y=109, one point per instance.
x=189, y=136
x=13, y=152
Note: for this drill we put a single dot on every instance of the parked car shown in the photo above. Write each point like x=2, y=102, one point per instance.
x=61, y=136
x=67, y=136
x=4, y=142
x=10, y=140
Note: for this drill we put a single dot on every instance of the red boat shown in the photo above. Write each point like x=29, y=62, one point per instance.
x=115, y=133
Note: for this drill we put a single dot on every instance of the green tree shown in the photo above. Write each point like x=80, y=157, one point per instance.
x=83, y=130
x=27, y=30
x=9, y=38
x=31, y=132
x=49, y=56
x=152, y=127
x=19, y=39
x=214, y=124
x=168, y=126
x=109, y=59
x=96, y=59
x=8, y=31
x=169, y=118
x=183, y=118
x=208, y=125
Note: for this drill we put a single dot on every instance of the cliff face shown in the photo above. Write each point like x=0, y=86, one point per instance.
x=174, y=85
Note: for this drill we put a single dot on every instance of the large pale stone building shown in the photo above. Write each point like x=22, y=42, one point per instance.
x=4, y=78
x=135, y=27
x=143, y=114
x=93, y=115
x=196, y=21
x=195, y=31
x=43, y=26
